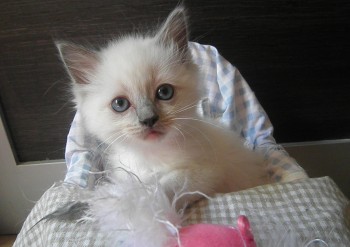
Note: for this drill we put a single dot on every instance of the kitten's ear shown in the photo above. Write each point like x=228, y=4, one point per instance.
x=79, y=61
x=175, y=29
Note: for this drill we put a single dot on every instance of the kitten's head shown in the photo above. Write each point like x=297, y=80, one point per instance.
x=137, y=88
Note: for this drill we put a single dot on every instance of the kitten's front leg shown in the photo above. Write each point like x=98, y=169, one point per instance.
x=194, y=179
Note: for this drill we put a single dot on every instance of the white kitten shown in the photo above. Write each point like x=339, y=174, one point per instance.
x=140, y=95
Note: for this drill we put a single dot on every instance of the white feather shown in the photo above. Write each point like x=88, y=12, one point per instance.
x=134, y=213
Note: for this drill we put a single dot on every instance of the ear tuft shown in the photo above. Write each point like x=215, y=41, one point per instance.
x=80, y=62
x=175, y=29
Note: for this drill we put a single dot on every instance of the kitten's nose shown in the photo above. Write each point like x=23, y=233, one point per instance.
x=149, y=122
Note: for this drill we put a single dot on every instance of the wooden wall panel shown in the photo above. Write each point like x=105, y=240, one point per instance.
x=293, y=53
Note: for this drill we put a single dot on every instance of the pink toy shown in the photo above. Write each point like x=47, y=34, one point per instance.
x=210, y=235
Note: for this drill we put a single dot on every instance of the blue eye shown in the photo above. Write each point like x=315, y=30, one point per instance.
x=120, y=104
x=165, y=92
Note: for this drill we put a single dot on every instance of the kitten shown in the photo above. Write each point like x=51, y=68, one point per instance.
x=140, y=95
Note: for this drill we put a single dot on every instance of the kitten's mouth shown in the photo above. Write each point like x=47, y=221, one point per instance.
x=153, y=134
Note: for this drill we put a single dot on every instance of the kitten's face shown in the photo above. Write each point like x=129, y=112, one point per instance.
x=140, y=91
x=136, y=89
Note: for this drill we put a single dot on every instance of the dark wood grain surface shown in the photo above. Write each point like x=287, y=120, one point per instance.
x=293, y=53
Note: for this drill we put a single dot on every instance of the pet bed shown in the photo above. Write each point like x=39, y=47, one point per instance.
x=293, y=213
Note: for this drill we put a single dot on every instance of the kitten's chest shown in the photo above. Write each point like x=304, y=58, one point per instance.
x=143, y=163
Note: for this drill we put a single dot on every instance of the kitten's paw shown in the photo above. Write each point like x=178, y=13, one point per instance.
x=182, y=187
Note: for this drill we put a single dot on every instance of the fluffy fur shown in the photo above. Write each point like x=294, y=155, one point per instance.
x=180, y=148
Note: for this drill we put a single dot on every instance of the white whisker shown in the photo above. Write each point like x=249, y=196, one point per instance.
x=200, y=120
x=200, y=144
x=183, y=136
x=186, y=107
x=116, y=139
x=208, y=141
x=106, y=140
